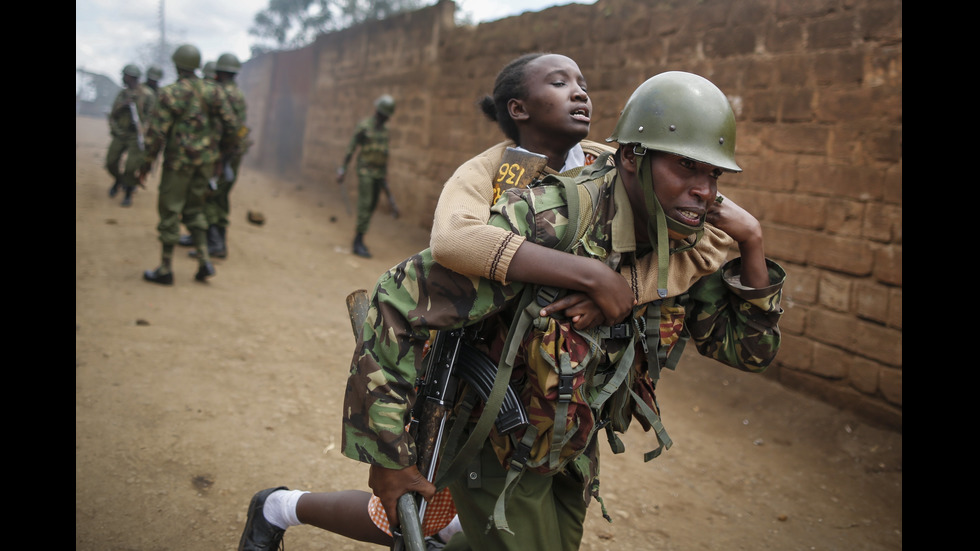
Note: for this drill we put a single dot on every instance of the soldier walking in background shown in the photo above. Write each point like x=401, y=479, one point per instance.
x=153, y=76
x=187, y=240
x=371, y=135
x=208, y=71
x=217, y=207
x=184, y=128
x=128, y=118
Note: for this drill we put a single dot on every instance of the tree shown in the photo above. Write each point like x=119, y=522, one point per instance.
x=288, y=24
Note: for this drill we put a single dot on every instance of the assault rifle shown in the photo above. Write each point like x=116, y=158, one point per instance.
x=140, y=137
x=395, y=213
x=343, y=193
x=451, y=358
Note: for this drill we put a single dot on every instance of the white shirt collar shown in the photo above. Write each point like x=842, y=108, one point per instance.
x=574, y=159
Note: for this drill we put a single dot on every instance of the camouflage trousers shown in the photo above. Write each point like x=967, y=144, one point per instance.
x=217, y=206
x=368, y=193
x=181, y=200
x=118, y=149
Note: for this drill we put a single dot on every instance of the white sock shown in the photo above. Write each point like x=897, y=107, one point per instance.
x=280, y=508
x=447, y=533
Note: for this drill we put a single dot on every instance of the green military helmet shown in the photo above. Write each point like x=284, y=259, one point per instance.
x=385, y=105
x=228, y=63
x=131, y=71
x=680, y=113
x=187, y=57
x=209, y=70
x=154, y=73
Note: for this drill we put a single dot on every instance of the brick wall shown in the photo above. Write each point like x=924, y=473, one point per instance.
x=817, y=90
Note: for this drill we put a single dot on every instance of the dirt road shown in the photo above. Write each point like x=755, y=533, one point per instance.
x=190, y=398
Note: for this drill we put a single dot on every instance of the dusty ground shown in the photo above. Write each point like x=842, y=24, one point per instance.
x=190, y=398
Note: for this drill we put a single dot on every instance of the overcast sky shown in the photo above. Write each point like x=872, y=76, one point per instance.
x=111, y=33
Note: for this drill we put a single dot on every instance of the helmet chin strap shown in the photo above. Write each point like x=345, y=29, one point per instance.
x=660, y=223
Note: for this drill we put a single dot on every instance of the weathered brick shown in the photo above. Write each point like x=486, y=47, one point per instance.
x=888, y=264
x=891, y=385
x=844, y=104
x=793, y=320
x=799, y=138
x=892, y=188
x=895, y=309
x=830, y=362
x=855, y=182
x=765, y=173
x=734, y=41
x=882, y=23
x=863, y=375
x=845, y=217
x=883, y=223
x=838, y=68
x=832, y=328
x=878, y=342
x=797, y=106
x=796, y=9
x=871, y=301
x=785, y=36
x=843, y=254
x=835, y=291
x=795, y=352
x=801, y=284
x=762, y=106
x=789, y=244
x=832, y=32
x=885, y=144
x=792, y=71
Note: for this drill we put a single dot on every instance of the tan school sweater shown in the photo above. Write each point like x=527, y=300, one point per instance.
x=462, y=241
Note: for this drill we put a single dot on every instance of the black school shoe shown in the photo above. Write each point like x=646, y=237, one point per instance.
x=259, y=534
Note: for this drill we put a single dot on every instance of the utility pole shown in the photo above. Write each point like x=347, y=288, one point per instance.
x=161, y=51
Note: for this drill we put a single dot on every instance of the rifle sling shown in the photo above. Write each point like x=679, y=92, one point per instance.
x=527, y=312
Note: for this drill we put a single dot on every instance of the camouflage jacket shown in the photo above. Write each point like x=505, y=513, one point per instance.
x=373, y=158
x=121, y=123
x=733, y=324
x=194, y=124
x=237, y=100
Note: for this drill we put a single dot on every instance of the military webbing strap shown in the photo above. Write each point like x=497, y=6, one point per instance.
x=526, y=313
x=657, y=425
x=576, y=195
x=528, y=309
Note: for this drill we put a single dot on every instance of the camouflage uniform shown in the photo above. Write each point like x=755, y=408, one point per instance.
x=217, y=207
x=727, y=322
x=372, y=167
x=125, y=140
x=194, y=123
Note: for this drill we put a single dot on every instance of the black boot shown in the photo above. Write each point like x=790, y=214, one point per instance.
x=115, y=188
x=128, y=199
x=204, y=271
x=216, y=242
x=359, y=248
x=161, y=275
